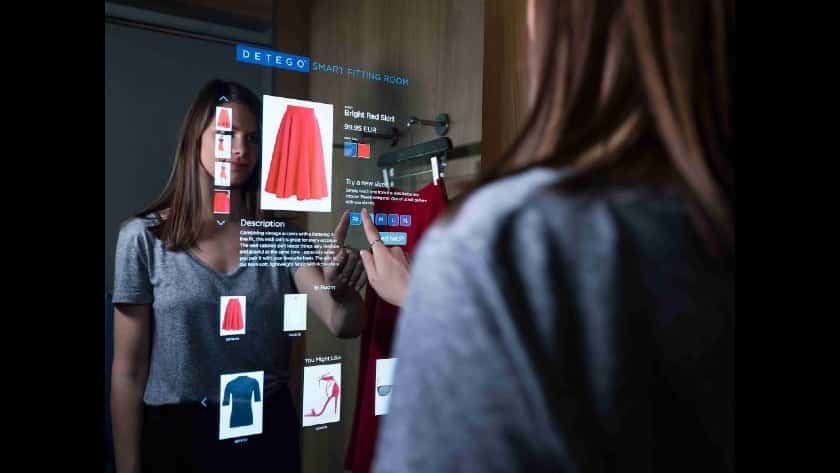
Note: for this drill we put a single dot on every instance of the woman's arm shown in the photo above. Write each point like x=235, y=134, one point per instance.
x=341, y=309
x=129, y=372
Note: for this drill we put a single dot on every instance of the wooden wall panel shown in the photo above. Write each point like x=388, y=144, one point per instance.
x=438, y=45
x=505, y=100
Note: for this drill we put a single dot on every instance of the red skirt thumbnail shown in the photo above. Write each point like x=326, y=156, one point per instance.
x=224, y=119
x=297, y=163
x=233, y=315
x=221, y=202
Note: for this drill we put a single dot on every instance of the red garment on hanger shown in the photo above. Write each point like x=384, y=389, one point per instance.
x=224, y=119
x=233, y=315
x=379, y=330
x=297, y=162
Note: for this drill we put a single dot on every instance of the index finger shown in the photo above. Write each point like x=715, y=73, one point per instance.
x=371, y=233
x=340, y=231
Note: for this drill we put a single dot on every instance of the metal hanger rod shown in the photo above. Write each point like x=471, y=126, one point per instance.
x=400, y=176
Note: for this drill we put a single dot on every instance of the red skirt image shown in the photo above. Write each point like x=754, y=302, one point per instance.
x=221, y=202
x=233, y=315
x=224, y=119
x=297, y=162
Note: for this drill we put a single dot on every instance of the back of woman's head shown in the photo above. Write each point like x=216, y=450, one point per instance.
x=185, y=202
x=635, y=91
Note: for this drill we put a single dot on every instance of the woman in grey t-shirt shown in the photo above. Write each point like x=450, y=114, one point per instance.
x=175, y=268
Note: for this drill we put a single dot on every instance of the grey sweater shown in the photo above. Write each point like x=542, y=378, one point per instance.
x=553, y=332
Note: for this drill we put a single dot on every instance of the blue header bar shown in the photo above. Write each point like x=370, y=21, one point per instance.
x=269, y=58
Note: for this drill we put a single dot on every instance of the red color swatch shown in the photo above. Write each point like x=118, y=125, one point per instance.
x=364, y=151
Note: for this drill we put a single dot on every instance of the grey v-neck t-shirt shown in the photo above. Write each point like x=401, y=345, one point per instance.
x=189, y=352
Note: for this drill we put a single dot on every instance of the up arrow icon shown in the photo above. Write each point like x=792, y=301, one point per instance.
x=223, y=99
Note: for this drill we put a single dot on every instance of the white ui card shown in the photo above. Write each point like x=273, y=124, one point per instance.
x=294, y=312
x=222, y=146
x=384, y=385
x=222, y=174
x=321, y=394
x=224, y=119
x=241, y=404
x=232, y=315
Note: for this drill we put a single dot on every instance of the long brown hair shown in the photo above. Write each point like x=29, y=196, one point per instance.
x=183, y=199
x=635, y=91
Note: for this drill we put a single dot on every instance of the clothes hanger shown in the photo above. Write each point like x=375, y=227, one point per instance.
x=435, y=151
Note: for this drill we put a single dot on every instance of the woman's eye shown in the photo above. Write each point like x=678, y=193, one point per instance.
x=253, y=139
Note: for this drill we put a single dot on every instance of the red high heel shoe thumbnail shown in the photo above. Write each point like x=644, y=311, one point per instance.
x=330, y=395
